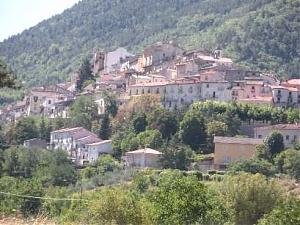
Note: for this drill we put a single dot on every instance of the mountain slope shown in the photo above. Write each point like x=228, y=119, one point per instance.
x=263, y=34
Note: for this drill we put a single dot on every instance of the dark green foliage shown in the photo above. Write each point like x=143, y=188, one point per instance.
x=84, y=104
x=178, y=200
x=104, y=130
x=62, y=172
x=176, y=156
x=193, y=129
x=289, y=162
x=250, y=196
x=252, y=166
x=262, y=152
x=275, y=143
x=82, y=120
x=25, y=129
x=20, y=186
x=287, y=213
x=7, y=79
x=164, y=121
x=58, y=123
x=111, y=105
x=149, y=139
x=84, y=73
x=139, y=122
x=248, y=31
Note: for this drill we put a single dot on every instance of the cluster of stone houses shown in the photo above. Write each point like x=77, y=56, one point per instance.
x=179, y=77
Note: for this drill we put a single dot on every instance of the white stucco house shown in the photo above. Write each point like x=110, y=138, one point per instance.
x=142, y=158
x=82, y=145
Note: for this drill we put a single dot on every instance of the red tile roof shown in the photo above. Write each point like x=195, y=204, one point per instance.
x=234, y=140
x=280, y=127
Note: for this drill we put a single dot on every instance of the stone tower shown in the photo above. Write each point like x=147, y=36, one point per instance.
x=99, y=58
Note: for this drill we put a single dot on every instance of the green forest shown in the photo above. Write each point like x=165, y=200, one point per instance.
x=262, y=34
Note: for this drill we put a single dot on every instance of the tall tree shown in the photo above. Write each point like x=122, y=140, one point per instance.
x=25, y=129
x=84, y=73
x=176, y=155
x=193, y=130
x=139, y=122
x=275, y=143
x=162, y=119
x=111, y=105
x=84, y=104
x=104, y=130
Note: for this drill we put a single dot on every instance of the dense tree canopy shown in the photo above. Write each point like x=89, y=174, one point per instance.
x=7, y=79
x=248, y=31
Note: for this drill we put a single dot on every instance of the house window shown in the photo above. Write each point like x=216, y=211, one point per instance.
x=143, y=91
x=259, y=136
x=207, y=85
x=49, y=101
x=287, y=137
x=225, y=147
x=137, y=91
x=157, y=91
x=130, y=92
x=149, y=91
x=295, y=137
x=35, y=98
x=180, y=90
x=170, y=104
x=214, y=94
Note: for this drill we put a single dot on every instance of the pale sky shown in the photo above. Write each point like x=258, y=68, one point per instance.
x=19, y=15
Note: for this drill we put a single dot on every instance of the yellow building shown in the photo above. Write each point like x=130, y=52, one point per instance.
x=228, y=149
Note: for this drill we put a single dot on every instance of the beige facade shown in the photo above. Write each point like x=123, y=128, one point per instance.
x=177, y=94
x=217, y=91
x=229, y=149
x=285, y=97
x=290, y=132
x=143, y=158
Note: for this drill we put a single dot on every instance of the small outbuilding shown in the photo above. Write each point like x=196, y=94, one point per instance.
x=143, y=158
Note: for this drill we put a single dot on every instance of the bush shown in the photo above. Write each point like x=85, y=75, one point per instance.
x=195, y=173
x=212, y=172
x=206, y=177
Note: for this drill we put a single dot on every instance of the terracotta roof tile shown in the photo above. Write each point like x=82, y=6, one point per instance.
x=280, y=127
x=235, y=140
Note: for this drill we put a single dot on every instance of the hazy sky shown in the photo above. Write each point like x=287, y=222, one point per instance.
x=19, y=15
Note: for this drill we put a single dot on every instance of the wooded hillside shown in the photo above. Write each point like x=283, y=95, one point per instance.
x=262, y=34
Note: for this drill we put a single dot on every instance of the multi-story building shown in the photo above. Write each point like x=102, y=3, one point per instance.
x=229, y=149
x=290, y=132
x=285, y=97
x=217, y=91
x=81, y=145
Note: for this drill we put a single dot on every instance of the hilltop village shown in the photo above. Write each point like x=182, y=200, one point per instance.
x=166, y=137
x=178, y=78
